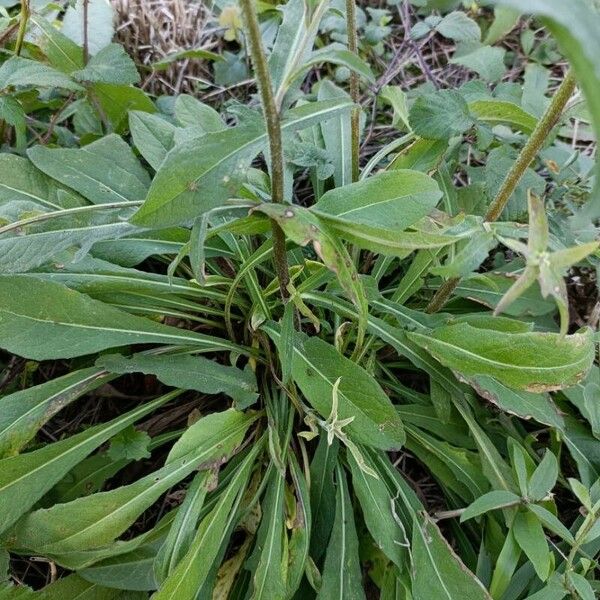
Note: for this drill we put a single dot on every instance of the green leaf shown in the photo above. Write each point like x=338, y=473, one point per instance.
x=529, y=534
x=437, y=571
x=21, y=181
x=486, y=61
x=302, y=526
x=200, y=175
x=21, y=72
x=440, y=115
x=469, y=257
x=392, y=200
x=190, y=112
x=317, y=366
x=181, y=533
x=342, y=577
x=152, y=135
x=214, y=530
x=337, y=55
x=377, y=508
x=505, y=565
x=459, y=27
x=25, y=478
x=195, y=53
x=100, y=17
x=488, y=289
x=583, y=587
x=322, y=494
x=23, y=413
x=188, y=372
x=98, y=519
x=11, y=111
x=117, y=100
x=73, y=587
x=499, y=112
x=28, y=244
x=62, y=53
x=490, y=501
x=525, y=405
x=530, y=361
x=268, y=579
x=396, y=98
x=104, y=171
x=504, y=22
x=129, y=444
x=218, y=433
x=544, y=477
x=551, y=522
x=111, y=65
x=43, y=320
x=336, y=134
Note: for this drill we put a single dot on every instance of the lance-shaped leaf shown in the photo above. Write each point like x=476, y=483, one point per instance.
x=103, y=171
x=496, y=112
x=43, y=320
x=25, y=478
x=303, y=227
x=533, y=361
x=23, y=413
x=31, y=242
x=181, y=533
x=316, y=368
x=20, y=72
x=268, y=562
x=152, y=135
x=437, y=571
x=378, y=511
x=97, y=520
x=188, y=372
x=342, y=577
x=212, y=533
x=392, y=200
x=221, y=432
x=200, y=175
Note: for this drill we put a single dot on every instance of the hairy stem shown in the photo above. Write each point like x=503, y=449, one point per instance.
x=23, y=20
x=527, y=155
x=86, y=43
x=272, y=118
x=354, y=89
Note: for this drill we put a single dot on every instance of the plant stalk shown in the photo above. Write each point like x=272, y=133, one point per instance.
x=354, y=89
x=23, y=20
x=273, y=120
x=86, y=25
x=527, y=155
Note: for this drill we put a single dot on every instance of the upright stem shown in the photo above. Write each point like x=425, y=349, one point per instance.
x=527, y=155
x=86, y=25
x=272, y=118
x=23, y=20
x=354, y=89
